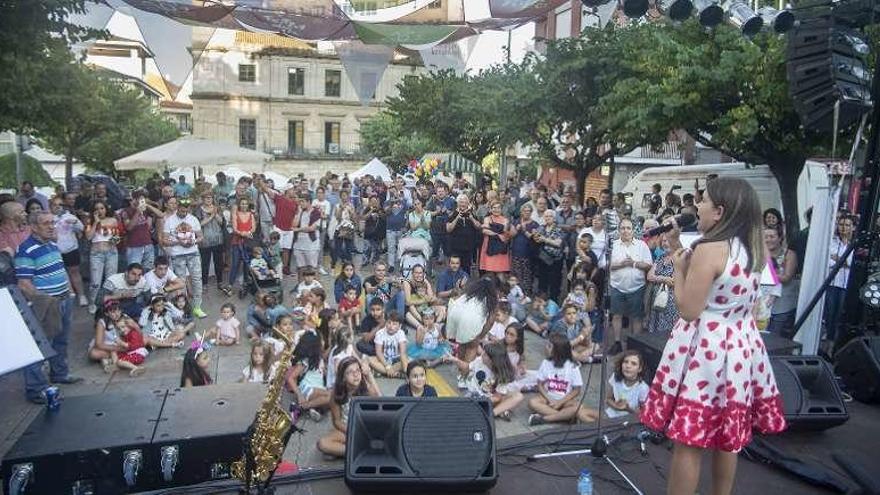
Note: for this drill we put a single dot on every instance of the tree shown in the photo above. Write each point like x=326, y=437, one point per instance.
x=29, y=30
x=551, y=102
x=447, y=109
x=385, y=138
x=728, y=92
x=142, y=130
x=82, y=121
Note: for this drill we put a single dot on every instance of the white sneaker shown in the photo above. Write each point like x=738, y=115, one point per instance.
x=92, y=309
x=315, y=415
x=322, y=271
x=83, y=300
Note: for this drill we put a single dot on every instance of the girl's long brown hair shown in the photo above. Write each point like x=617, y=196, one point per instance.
x=340, y=391
x=741, y=218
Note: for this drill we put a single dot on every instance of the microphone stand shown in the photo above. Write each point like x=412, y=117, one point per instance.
x=599, y=447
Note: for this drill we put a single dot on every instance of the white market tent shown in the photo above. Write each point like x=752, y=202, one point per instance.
x=375, y=168
x=190, y=151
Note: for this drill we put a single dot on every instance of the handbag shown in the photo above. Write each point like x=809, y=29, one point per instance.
x=661, y=298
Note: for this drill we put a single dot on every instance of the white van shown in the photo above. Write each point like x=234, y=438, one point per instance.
x=638, y=189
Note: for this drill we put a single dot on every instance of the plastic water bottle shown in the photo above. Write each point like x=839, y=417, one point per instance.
x=585, y=483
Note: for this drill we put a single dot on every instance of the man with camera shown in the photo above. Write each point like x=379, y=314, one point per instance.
x=464, y=231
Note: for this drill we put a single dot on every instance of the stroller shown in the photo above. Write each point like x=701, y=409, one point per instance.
x=251, y=284
x=411, y=257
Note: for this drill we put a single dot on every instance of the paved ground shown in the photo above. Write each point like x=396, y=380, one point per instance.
x=163, y=370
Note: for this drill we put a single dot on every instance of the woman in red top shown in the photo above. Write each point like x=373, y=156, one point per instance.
x=244, y=224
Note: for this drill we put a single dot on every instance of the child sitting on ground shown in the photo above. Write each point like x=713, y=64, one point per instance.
x=416, y=381
x=261, y=367
x=559, y=386
x=489, y=375
x=351, y=307
x=305, y=286
x=227, y=329
x=132, y=358
x=579, y=334
x=429, y=344
x=158, y=326
x=181, y=314
x=628, y=390
x=390, y=343
x=196, y=363
x=283, y=325
x=343, y=347
x=503, y=319
x=541, y=315
x=258, y=322
x=306, y=378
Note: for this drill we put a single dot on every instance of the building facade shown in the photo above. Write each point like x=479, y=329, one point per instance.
x=289, y=98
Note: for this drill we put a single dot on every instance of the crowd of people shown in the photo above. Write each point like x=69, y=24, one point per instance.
x=423, y=273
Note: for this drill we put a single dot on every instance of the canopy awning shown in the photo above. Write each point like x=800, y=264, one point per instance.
x=190, y=151
x=453, y=162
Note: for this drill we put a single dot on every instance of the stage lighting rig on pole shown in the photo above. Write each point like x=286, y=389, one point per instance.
x=677, y=10
x=709, y=13
x=781, y=21
x=741, y=15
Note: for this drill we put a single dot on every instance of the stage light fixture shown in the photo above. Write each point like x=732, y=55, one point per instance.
x=677, y=10
x=743, y=17
x=635, y=8
x=869, y=294
x=709, y=13
x=780, y=20
x=826, y=66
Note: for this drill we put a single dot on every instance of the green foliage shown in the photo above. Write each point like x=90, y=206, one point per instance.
x=384, y=137
x=727, y=91
x=95, y=120
x=32, y=171
x=448, y=110
x=29, y=31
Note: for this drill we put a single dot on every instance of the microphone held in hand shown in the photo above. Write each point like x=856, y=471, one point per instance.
x=481, y=376
x=683, y=220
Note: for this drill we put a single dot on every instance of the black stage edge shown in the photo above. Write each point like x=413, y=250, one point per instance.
x=858, y=439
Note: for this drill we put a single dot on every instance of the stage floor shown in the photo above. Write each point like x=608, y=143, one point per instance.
x=858, y=439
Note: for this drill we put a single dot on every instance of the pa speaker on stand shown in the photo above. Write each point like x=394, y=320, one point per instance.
x=858, y=365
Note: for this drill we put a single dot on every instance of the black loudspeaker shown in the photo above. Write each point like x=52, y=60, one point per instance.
x=86, y=446
x=811, y=398
x=109, y=444
x=858, y=365
x=405, y=444
x=199, y=434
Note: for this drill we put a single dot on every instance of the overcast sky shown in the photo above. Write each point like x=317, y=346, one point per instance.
x=170, y=40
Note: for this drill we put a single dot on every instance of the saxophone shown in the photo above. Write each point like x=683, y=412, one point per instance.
x=269, y=433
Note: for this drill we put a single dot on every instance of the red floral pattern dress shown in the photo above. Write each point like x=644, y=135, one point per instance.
x=714, y=383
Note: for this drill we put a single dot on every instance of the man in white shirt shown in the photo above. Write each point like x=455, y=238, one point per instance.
x=162, y=279
x=127, y=288
x=181, y=236
x=323, y=205
x=630, y=261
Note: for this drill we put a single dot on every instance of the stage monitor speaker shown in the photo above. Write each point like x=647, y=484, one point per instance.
x=651, y=346
x=393, y=445
x=93, y=444
x=858, y=365
x=811, y=398
x=199, y=434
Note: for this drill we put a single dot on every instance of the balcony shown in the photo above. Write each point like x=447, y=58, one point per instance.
x=334, y=152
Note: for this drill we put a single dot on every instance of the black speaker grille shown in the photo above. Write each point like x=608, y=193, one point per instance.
x=447, y=440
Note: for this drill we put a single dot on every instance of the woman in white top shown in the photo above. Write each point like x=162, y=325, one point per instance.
x=630, y=261
x=69, y=228
x=600, y=238
x=471, y=315
x=102, y=231
x=837, y=290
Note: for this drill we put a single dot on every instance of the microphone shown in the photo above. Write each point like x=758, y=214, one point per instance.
x=642, y=436
x=683, y=220
x=481, y=376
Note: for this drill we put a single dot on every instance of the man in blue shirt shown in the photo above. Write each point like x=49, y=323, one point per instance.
x=182, y=189
x=440, y=206
x=43, y=279
x=451, y=280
